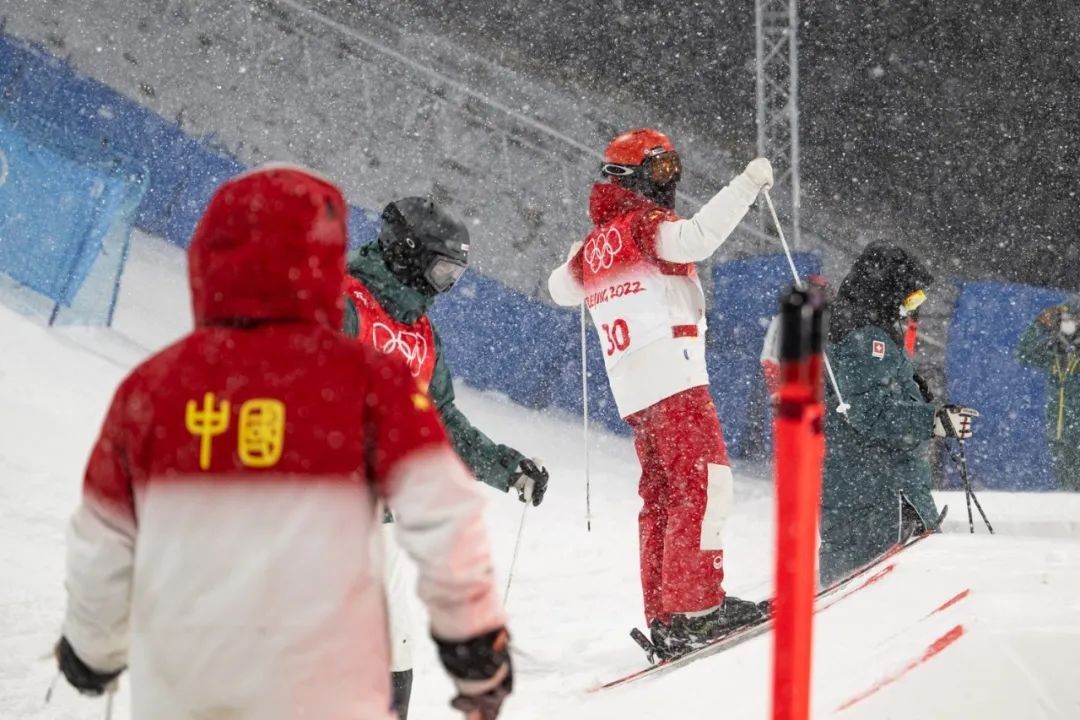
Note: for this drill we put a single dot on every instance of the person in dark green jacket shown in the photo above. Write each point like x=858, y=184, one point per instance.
x=1052, y=343
x=877, y=459
x=421, y=252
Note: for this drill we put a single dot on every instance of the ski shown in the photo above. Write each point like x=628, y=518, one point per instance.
x=872, y=571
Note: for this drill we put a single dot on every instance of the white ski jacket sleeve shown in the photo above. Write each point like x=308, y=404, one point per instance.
x=101, y=553
x=100, y=561
x=697, y=238
x=564, y=285
x=439, y=521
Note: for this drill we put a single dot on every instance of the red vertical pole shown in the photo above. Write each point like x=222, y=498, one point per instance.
x=799, y=446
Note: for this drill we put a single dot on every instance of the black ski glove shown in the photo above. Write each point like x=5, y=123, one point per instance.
x=482, y=672
x=530, y=479
x=81, y=676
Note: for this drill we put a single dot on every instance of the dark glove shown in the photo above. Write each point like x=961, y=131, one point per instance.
x=79, y=674
x=482, y=672
x=530, y=479
x=954, y=421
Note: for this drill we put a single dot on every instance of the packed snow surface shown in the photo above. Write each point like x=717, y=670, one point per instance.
x=960, y=626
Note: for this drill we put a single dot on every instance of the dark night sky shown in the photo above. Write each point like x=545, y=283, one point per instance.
x=956, y=123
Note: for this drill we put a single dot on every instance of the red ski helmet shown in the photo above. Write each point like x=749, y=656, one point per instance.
x=632, y=147
x=644, y=161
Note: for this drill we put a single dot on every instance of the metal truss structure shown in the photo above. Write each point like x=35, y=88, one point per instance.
x=778, y=101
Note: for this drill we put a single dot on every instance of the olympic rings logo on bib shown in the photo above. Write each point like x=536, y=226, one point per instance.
x=601, y=249
x=412, y=346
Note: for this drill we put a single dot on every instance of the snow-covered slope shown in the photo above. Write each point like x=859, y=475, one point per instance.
x=574, y=593
x=956, y=627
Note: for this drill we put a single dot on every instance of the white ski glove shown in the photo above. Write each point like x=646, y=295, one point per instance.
x=954, y=421
x=759, y=172
x=530, y=480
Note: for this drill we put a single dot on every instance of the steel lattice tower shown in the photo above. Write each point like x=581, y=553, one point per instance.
x=778, y=101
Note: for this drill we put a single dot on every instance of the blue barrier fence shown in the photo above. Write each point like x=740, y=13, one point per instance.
x=746, y=294
x=1008, y=450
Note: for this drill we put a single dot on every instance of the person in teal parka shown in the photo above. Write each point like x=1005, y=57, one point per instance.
x=877, y=459
x=421, y=252
x=1052, y=343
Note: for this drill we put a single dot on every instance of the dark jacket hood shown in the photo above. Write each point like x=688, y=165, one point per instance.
x=608, y=201
x=405, y=304
x=270, y=247
x=871, y=294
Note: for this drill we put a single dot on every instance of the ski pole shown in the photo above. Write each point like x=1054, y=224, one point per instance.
x=109, y=701
x=585, y=421
x=970, y=491
x=52, y=686
x=517, y=546
x=109, y=693
x=842, y=407
x=967, y=498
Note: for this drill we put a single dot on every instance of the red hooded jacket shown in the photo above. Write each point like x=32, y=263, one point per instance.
x=224, y=544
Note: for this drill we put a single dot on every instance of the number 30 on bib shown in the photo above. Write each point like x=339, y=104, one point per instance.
x=618, y=336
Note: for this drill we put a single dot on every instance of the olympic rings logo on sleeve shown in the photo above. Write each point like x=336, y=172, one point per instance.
x=410, y=345
x=601, y=249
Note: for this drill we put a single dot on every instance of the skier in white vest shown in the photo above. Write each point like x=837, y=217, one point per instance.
x=635, y=272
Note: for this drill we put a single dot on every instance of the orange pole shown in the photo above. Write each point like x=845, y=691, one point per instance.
x=799, y=446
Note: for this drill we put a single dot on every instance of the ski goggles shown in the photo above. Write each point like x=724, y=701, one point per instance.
x=659, y=168
x=444, y=273
x=914, y=300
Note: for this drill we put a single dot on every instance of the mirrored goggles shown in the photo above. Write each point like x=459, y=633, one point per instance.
x=914, y=300
x=444, y=273
x=660, y=169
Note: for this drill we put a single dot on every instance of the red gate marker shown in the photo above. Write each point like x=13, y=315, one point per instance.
x=799, y=441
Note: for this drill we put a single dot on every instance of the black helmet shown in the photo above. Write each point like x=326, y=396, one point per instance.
x=425, y=246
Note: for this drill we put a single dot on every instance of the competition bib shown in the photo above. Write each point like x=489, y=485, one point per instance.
x=630, y=294
x=413, y=344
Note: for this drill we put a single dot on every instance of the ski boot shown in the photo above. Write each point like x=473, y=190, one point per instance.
x=664, y=645
x=688, y=633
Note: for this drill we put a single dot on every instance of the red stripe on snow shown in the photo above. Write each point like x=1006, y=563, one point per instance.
x=935, y=647
x=950, y=602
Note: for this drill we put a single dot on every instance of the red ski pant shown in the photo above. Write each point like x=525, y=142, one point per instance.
x=686, y=491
